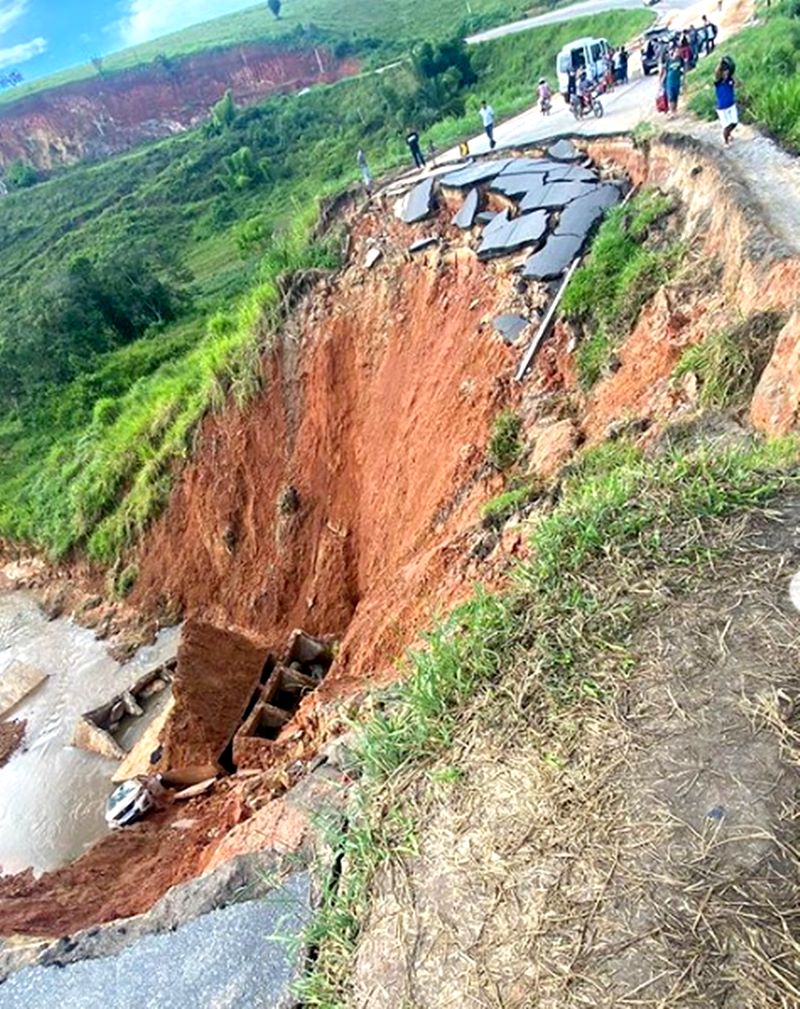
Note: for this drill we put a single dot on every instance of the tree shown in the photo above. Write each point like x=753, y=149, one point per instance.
x=275, y=7
x=21, y=175
x=97, y=63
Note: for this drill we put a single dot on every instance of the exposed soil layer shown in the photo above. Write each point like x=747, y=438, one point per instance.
x=340, y=501
x=106, y=115
x=11, y=735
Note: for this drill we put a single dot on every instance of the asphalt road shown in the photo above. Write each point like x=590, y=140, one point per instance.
x=232, y=958
x=583, y=9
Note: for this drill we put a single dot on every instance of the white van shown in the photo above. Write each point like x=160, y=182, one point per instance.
x=581, y=53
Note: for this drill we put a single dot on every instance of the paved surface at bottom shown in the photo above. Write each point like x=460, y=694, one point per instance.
x=238, y=957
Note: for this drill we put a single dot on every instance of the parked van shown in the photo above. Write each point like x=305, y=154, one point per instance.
x=576, y=55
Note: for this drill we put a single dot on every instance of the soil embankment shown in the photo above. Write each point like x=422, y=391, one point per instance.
x=346, y=498
x=106, y=115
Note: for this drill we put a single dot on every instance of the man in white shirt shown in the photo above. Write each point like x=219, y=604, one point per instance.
x=487, y=118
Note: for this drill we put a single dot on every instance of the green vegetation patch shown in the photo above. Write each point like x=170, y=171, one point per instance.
x=729, y=363
x=560, y=635
x=767, y=56
x=633, y=254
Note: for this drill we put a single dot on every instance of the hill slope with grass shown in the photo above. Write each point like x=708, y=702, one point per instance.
x=102, y=385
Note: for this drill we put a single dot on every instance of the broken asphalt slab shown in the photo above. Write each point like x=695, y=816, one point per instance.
x=564, y=150
x=578, y=216
x=419, y=202
x=502, y=235
x=551, y=261
x=481, y=171
x=510, y=327
x=465, y=218
x=422, y=243
x=555, y=195
x=237, y=957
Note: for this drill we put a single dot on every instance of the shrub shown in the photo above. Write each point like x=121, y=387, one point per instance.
x=505, y=446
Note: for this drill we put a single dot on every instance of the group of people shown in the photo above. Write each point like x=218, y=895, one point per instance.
x=678, y=55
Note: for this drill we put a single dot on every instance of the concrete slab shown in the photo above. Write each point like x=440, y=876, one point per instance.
x=510, y=327
x=465, y=218
x=485, y=217
x=579, y=216
x=481, y=171
x=19, y=680
x=508, y=236
x=564, y=150
x=419, y=202
x=551, y=261
x=236, y=957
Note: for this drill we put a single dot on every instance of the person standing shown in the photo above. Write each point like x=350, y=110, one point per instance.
x=672, y=77
x=487, y=118
x=623, y=65
x=416, y=152
x=363, y=167
x=725, y=87
x=711, y=34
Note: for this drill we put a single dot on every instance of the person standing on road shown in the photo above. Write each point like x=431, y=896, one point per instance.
x=622, y=59
x=416, y=152
x=487, y=118
x=725, y=87
x=672, y=78
x=363, y=167
x=711, y=34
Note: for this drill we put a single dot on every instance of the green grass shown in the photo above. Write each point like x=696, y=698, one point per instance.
x=729, y=363
x=561, y=629
x=500, y=508
x=767, y=59
x=72, y=478
x=630, y=259
x=505, y=446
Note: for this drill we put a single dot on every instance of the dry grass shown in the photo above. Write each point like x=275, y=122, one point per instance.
x=565, y=856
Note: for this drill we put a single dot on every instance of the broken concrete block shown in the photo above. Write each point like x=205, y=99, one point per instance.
x=516, y=186
x=510, y=327
x=465, y=218
x=555, y=195
x=419, y=202
x=485, y=217
x=526, y=166
x=16, y=683
x=372, y=257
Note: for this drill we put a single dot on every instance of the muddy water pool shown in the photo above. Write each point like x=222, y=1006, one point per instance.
x=52, y=795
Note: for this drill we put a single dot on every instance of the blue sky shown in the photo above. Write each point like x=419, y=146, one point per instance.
x=40, y=36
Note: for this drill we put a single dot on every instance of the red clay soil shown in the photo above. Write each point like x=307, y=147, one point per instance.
x=216, y=675
x=11, y=735
x=124, y=874
x=380, y=426
x=377, y=407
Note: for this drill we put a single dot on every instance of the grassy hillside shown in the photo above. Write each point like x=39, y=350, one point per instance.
x=393, y=25
x=136, y=294
x=767, y=59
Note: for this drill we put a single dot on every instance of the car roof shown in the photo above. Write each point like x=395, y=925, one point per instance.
x=586, y=40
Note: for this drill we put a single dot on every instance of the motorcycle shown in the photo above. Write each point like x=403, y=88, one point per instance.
x=583, y=106
x=545, y=104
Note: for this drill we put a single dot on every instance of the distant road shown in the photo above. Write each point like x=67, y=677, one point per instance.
x=577, y=10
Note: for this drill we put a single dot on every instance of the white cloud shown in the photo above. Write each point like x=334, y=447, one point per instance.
x=147, y=19
x=10, y=12
x=16, y=55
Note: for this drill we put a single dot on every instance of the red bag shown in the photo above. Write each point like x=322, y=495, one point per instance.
x=661, y=102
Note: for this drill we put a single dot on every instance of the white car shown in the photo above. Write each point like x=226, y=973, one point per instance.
x=582, y=54
x=128, y=803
